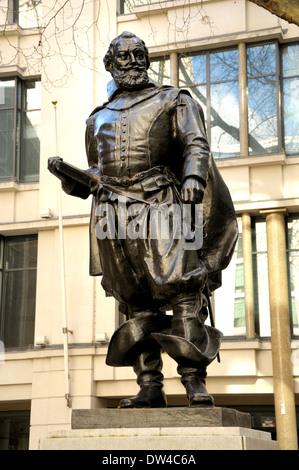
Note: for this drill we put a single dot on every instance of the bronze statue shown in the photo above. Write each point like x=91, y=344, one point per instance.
x=147, y=150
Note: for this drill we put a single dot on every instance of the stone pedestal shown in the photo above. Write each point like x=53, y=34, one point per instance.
x=159, y=417
x=166, y=429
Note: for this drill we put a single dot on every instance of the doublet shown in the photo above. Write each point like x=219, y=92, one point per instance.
x=139, y=130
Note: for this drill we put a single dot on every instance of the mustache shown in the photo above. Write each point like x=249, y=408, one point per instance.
x=132, y=67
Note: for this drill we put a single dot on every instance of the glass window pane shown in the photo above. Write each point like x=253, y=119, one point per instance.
x=239, y=315
x=7, y=93
x=225, y=120
x=261, y=60
x=127, y=6
x=30, y=147
x=199, y=93
x=21, y=253
x=291, y=115
x=260, y=237
x=260, y=276
x=290, y=60
x=293, y=234
x=160, y=71
x=32, y=95
x=224, y=65
x=30, y=13
x=262, y=115
x=6, y=143
x=192, y=70
x=229, y=298
x=293, y=265
x=19, y=308
x=14, y=430
x=19, y=291
x=293, y=261
x=263, y=294
x=12, y=16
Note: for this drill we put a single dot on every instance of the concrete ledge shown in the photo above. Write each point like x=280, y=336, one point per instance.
x=170, y=429
x=179, y=438
x=159, y=417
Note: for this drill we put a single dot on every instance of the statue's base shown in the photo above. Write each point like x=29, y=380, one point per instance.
x=159, y=417
x=159, y=429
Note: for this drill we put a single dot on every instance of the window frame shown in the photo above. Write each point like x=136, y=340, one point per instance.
x=208, y=84
x=278, y=88
x=278, y=79
x=19, y=111
x=284, y=78
x=5, y=270
x=13, y=14
x=122, y=6
x=289, y=251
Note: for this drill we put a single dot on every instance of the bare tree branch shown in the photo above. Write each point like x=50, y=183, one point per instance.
x=286, y=9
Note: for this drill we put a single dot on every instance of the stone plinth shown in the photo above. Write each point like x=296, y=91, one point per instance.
x=159, y=417
x=160, y=439
x=157, y=429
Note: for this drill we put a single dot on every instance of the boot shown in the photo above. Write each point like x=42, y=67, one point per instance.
x=147, y=367
x=193, y=346
x=195, y=385
x=188, y=322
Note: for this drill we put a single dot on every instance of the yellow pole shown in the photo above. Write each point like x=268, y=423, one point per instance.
x=248, y=276
x=284, y=398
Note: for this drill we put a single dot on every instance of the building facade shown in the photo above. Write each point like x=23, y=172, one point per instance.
x=241, y=63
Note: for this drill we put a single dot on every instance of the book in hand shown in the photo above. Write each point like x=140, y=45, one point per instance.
x=75, y=181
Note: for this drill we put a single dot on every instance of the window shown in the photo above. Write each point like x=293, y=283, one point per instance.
x=20, y=103
x=290, y=73
x=260, y=277
x=293, y=268
x=26, y=13
x=273, y=116
x=127, y=6
x=229, y=299
x=239, y=299
x=212, y=79
x=18, y=290
x=14, y=430
x=160, y=70
x=263, y=111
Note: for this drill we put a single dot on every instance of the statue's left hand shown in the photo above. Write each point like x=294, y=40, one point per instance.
x=192, y=191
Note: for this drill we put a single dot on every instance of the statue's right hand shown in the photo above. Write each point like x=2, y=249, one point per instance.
x=53, y=167
x=53, y=164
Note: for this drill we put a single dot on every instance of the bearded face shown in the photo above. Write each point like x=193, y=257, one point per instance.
x=129, y=69
x=131, y=79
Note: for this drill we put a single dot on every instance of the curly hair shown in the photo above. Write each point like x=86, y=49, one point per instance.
x=108, y=59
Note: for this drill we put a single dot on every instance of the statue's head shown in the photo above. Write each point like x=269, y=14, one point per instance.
x=127, y=60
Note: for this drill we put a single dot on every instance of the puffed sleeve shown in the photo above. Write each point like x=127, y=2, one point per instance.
x=91, y=143
x=191, y=133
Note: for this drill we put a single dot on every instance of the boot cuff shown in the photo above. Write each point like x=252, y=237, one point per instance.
x=185, y=353
x=134, y=336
